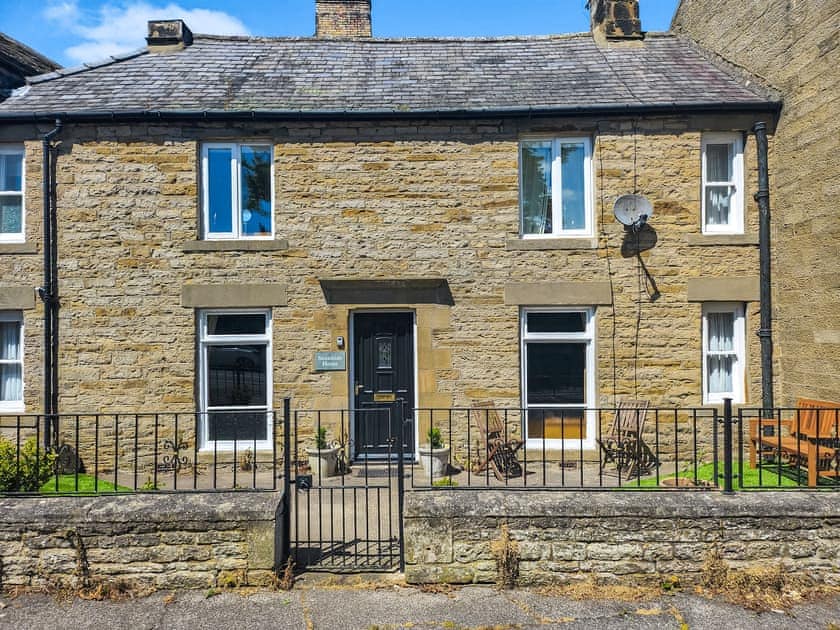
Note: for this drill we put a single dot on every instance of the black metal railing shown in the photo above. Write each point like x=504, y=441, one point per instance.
x=135, y=452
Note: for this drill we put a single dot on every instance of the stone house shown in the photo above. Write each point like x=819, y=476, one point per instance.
x=350, y=221
x=18, y=61
x=795, y=46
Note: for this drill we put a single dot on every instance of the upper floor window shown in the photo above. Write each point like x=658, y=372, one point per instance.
x=723, y=352
x=11, y=194
x=556, y=187
x=11, y=361
x=723, y=183
x=237, y=186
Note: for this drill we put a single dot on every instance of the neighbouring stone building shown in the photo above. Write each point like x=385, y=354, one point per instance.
x=435, y=214
x=17, y=62
x=794, y=45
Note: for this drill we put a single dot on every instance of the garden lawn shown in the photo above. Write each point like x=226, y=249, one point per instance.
x=67, y=485
x=769, y=477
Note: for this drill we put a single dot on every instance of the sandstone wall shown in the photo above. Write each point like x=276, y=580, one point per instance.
x=372, y=201
x=160, y=541
x=628, y=537
x=795, y=45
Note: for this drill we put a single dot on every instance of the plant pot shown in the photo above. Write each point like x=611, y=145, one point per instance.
x=323, y=462
x=435, y=461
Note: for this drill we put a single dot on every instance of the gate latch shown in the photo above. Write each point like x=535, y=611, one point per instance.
x=303, y=482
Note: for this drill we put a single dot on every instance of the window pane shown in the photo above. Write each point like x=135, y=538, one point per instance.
x=720, y=374
x=220, y=187
x=12, y=169
x=10, y=341
x=557, y=322
x=718, y=203
x=556, y=424
x=536, y=188
x=11, y=215
x=384, y=353
x=556, y=373
x=574, y=195
x=236, y=324
x=236, y=376
x=230, y=426
x=256, y=190
x=721, y=332
x=718, y=162
x=11, y=382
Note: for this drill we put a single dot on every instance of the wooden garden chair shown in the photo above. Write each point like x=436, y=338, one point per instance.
x=624, y=445
x=499, y=450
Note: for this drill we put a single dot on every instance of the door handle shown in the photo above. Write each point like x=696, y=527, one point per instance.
x=359, y=388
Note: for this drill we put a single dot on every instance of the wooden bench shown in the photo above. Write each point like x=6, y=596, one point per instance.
x=810, y=439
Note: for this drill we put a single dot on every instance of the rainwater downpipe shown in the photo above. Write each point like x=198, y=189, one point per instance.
x=48, y=292
x=765, y=329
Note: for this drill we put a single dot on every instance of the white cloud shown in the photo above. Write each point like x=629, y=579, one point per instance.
x=113, y=29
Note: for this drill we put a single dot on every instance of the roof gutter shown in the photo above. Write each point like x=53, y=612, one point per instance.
x=770, y=107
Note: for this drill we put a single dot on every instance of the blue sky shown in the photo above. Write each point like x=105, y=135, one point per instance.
x=74, y=31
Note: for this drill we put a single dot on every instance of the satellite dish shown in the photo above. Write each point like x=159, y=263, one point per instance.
x=633, y=210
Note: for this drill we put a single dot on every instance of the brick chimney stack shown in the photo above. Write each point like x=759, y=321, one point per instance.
x=615, y=20
x=342, y=18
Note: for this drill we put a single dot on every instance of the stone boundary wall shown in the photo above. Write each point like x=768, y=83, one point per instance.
x=629, y=537
x=150, y=540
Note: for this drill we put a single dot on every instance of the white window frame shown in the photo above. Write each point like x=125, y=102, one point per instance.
x=16, y=237
x=236, y=191
x=15, y=406
x=739, y=350
x=736, y=211
x=586, y=337
x=557, y=188
x=205, y=340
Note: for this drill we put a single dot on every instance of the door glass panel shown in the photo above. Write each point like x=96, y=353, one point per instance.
x=236, y=324
x=256, y=190
x=236, y=376
x=556, y=424
x=556, y=373
x=237, y=425
x=384, y=350
x=557, y=322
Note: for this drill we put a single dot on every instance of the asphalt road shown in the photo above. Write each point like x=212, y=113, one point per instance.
x=394, y=606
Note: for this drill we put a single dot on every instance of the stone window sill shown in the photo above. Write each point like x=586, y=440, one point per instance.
x=545, y=244
x=718, y=240
x=236, y=246
x=18, y=248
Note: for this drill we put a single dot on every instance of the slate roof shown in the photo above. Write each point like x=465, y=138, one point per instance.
x=18, y=61
x=355, y=76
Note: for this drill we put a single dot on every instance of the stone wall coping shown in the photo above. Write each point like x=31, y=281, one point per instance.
x=140, y=508
x=616, y=503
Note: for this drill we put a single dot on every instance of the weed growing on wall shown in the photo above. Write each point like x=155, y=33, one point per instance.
x=506, y=552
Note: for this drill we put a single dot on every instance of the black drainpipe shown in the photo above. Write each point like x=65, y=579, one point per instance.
x=765, y=331
x=49, y=292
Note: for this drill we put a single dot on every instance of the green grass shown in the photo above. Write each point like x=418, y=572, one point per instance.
x=769, y=477
x=67, y=485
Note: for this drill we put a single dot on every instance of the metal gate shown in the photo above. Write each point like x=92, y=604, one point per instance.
x=344, y=516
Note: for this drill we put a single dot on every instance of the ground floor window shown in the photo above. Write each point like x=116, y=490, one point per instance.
x=11, y=361
x=235, y=378
x=723, y=352
x=558, y=381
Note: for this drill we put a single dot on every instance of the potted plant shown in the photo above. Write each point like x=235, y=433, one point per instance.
x=323, y=459
x=434, y=456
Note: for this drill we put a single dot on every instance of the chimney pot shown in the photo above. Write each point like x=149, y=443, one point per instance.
x=615, y=20
x=167, y=35
x=342, y=18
